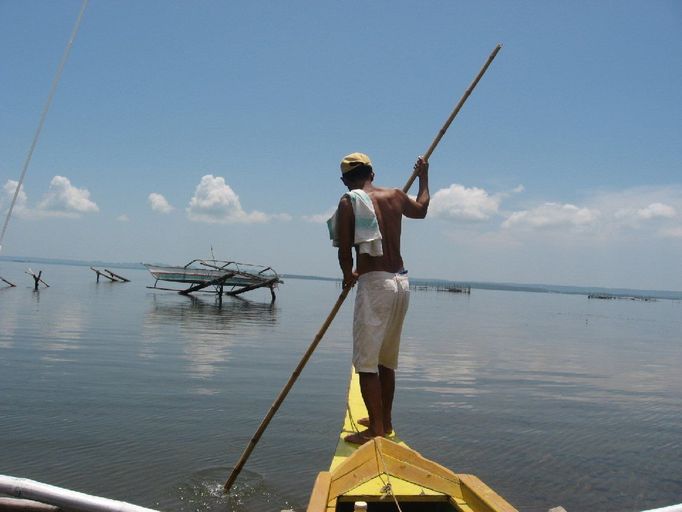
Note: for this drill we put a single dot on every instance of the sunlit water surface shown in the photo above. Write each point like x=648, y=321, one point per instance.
x=150, y=397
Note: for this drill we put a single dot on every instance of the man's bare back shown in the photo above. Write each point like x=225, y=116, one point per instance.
x=389, y=206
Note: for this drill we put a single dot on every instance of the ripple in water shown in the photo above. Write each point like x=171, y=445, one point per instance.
x=204, y=493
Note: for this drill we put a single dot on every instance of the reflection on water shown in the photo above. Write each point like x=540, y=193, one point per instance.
x=207, y=329
x=231, y=311
x=56, y=330
x=60, y=330
x=148, y=397
x=598, y=359
x=554, y=385
x=9, y=319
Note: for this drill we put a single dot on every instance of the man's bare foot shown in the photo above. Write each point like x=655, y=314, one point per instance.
x=359, y=437
x=365, y=423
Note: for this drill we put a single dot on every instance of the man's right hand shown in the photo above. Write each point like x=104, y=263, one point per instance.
x=349, y=281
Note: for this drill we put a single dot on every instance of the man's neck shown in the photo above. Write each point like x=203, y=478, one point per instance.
x=364, y=186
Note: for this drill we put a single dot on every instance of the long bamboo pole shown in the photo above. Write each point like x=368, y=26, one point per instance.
x=43, y=115
x=454, y=113
x=344, y=293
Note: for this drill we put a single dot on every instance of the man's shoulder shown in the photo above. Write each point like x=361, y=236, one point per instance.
x=387, y=192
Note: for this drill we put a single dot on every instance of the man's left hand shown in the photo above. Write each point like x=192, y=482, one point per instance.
x=421, y=167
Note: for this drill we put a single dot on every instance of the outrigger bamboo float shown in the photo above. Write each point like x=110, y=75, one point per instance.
x=386, y=474
x=222, y=277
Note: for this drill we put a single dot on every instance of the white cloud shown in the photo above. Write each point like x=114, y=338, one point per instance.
x=123, y=218
x=671, y=232
x=627, y=214
x=319, y=218
x=159, y=203
x=649, y=202
x=21, y=206
x=214, y=201
x=463, y=203
x=655, y=210
x=652, y=211
x=553, y=215
x=280, y=216
x=63, y=199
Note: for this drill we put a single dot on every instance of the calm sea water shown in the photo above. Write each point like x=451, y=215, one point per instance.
x=150, y=397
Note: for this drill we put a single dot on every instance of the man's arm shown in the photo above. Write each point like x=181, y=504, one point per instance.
x=345, y=226
x=417, y=209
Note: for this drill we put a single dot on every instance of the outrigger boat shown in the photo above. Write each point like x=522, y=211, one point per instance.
x=223, y=277
x=387, y=475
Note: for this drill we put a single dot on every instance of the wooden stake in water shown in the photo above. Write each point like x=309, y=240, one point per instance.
x=37, y=278
x=285, y=391
x=11, y=285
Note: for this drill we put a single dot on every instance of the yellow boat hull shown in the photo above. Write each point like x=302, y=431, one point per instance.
x=386, y=473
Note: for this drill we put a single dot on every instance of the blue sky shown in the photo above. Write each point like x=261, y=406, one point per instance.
x=178, y=126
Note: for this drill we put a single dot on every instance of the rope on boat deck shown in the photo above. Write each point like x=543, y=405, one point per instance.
x=353, y=425
x=387, y=489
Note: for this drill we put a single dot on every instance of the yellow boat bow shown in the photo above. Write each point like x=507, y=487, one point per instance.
x=389, y=475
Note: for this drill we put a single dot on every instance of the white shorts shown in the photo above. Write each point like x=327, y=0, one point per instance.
x=380, y=306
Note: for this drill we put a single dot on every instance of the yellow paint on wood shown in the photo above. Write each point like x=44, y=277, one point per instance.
x=355, y=410
x=359, y=457
x=318, y=498
x=481, y=497
x=460, y=505
x=350, y=480
x=373, y=488
x=409, y=474
x=359, y=472
x=410, y=456
x=402, y=472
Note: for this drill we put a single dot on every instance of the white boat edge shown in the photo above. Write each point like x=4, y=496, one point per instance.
x=31, y=491
x=671, y=508
x=24, y=488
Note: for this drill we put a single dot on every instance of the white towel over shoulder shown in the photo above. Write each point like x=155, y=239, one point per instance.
x=367, y=233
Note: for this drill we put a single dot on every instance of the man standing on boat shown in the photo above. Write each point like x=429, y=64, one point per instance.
x=369, y=219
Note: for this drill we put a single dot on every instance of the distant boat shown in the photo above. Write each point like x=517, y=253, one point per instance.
x=222, y=277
